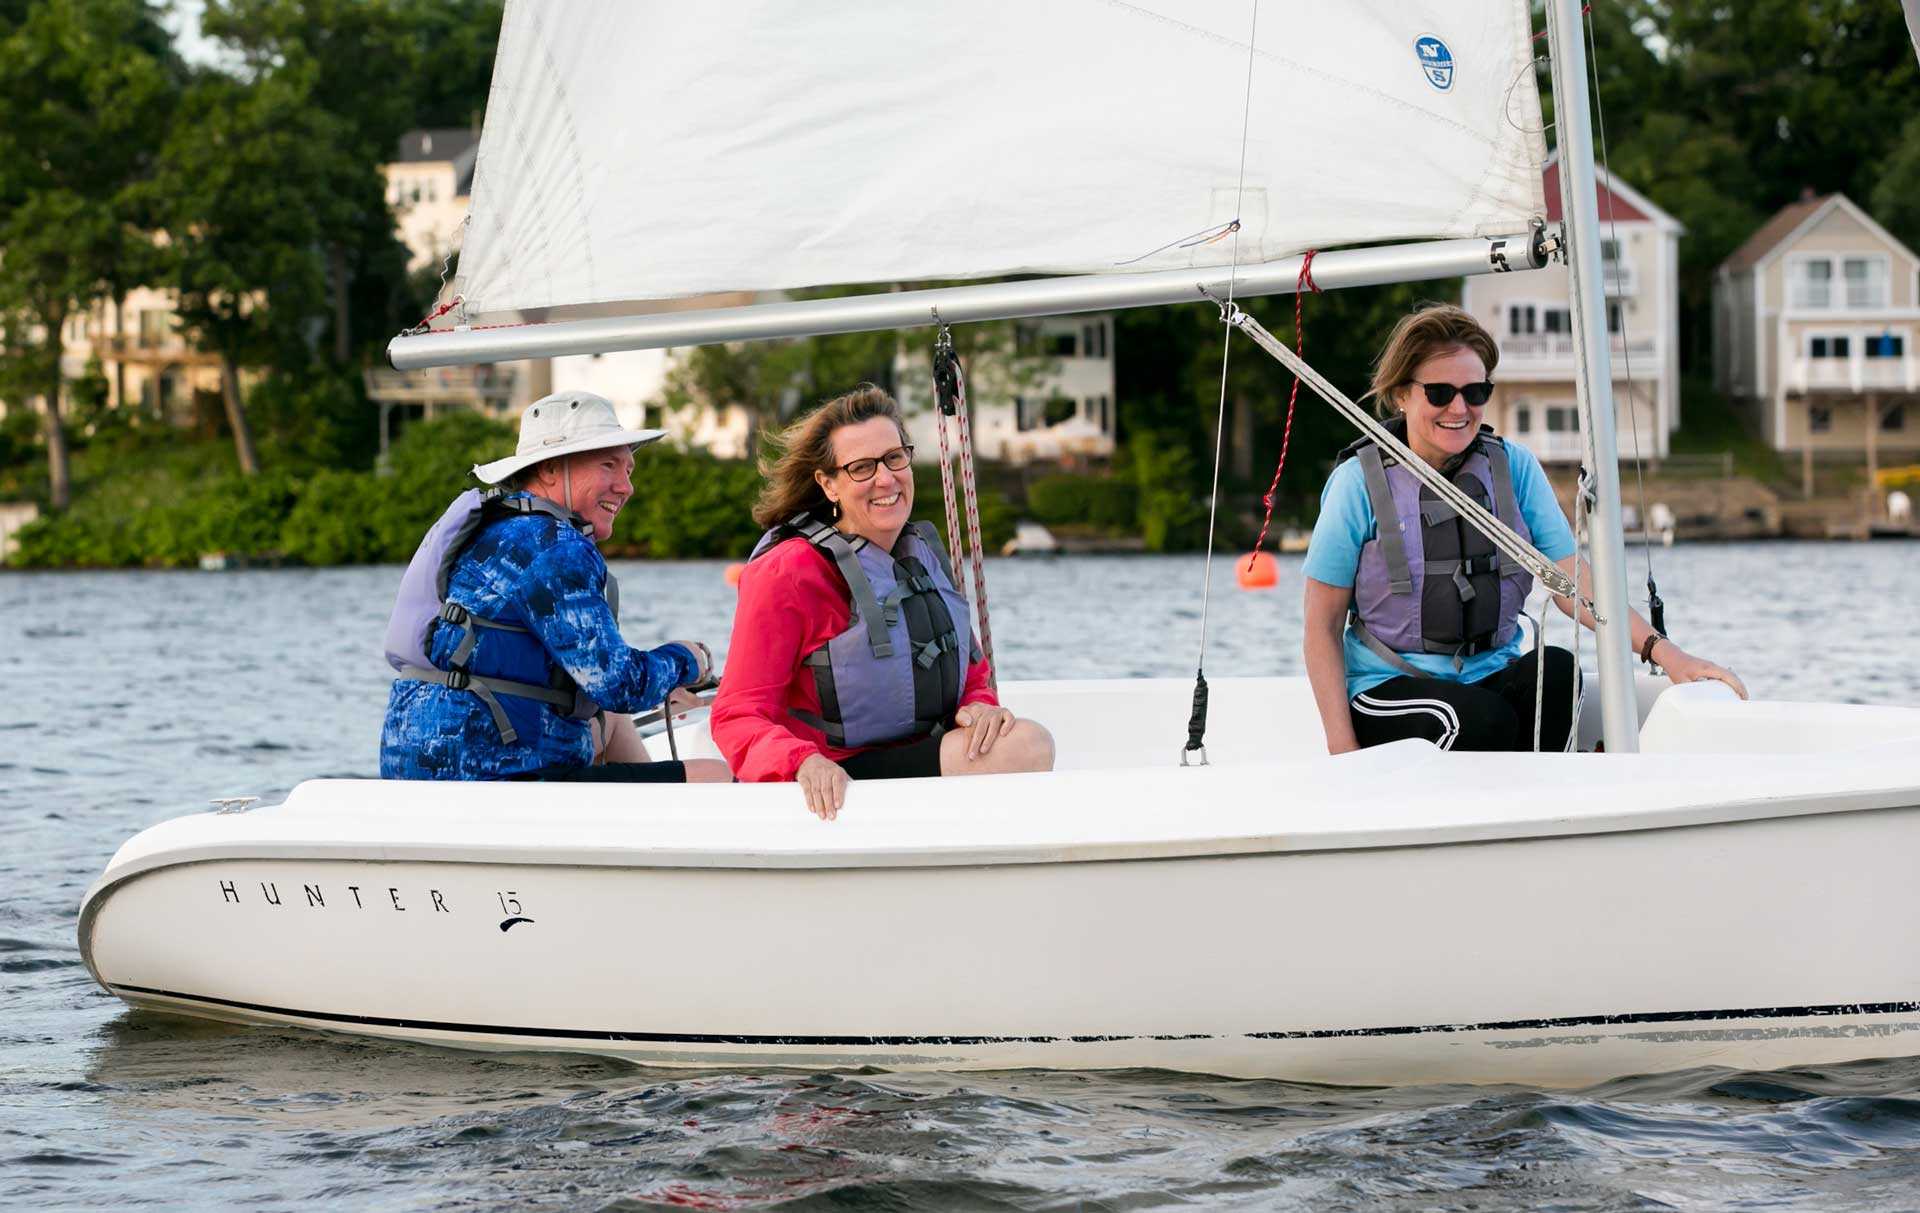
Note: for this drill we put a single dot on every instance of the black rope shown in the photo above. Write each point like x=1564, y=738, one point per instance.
x=1197, y=723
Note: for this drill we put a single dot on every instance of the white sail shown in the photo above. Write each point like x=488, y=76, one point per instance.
x=644, y=151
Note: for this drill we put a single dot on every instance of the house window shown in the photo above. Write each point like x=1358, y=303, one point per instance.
x=1894, y=419
x=1614, y=320
x=155, y=324
x=1521, y=319
x=1522, y=419
x=1093, y=339
x=1813, y=284
x=1819, y=419
x=1099, y=412
x=1034, y=339
x=1887, y=345
x=1557, y=320
x=1866, y=279
x=1609, y=250
x=1829, y=347
x=1563, y=419
x=1060, y=409
x=1029, y=412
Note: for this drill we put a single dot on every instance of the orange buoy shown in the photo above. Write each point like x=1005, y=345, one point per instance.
x=733, y=574
x=1257, y=572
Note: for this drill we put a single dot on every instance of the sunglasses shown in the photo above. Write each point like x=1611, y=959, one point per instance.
x=1440, y=395
x=896, y=460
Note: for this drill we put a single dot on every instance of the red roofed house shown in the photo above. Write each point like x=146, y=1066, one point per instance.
x=1813, y=331
x=1530, y=318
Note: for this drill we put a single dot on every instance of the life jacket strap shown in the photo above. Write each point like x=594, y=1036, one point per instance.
x=829, y=540
x=488, y=689
x=834, y=733
x=1380, y=650
x=837, y=736
x=1505, y=507
x=929, y=653
x=1386, y=519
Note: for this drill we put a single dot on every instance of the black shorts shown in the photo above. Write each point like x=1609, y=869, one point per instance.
x=911, y=760
x=615, y=772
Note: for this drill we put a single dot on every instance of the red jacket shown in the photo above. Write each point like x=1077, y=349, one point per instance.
x=792, y=601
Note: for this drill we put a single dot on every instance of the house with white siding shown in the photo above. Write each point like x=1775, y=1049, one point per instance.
x=1531, y=318
x=1814, y=320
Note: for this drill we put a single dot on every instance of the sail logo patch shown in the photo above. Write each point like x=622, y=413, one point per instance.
x=1435, y=60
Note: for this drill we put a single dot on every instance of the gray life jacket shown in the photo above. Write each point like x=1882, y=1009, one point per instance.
x=1428, y=582
x=421, y=606
x=898, y=670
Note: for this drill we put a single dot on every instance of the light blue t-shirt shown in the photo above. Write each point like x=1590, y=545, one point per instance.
x=1347, y=522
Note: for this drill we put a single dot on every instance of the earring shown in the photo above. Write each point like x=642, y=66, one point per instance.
x=836, y=511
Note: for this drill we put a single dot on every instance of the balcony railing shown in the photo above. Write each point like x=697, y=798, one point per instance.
x=1558, y=347
x=1619, y=280
x=1555, y=446
x=1852, y=374
x=482, y=386
x=1828, y=297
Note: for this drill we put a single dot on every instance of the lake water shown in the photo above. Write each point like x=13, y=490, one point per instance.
x=127, y=698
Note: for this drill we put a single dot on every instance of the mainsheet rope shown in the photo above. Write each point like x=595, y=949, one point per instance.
x=950, y=390
x=1195, y=751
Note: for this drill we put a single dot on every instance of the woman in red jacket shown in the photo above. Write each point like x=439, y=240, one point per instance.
x=852, y=654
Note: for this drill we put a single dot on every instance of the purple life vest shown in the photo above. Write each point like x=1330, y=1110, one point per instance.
x=421, y=606
x=898, y=670
x=1428, y=582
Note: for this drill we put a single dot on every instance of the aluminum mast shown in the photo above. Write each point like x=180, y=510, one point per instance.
x=1573, y=136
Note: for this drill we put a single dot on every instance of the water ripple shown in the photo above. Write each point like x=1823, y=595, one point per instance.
x=108, y=1107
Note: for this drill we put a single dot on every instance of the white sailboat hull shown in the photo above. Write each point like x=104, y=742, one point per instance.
x=1399, y=915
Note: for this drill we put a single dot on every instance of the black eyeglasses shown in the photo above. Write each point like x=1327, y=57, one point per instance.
x=1440, y=395
x=896, y=460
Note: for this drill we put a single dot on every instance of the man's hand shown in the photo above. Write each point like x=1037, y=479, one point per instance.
x=702, y=661
x=825, y=783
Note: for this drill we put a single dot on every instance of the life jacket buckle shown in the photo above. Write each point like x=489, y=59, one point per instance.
x=455, y=614
x=459, y=679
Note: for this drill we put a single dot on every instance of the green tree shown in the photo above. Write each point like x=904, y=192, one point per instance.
x=253, y=179
x=361, y=63
x=85, y=87
x=1895, y=200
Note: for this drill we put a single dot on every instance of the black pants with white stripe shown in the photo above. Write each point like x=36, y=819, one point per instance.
x=1495, y=713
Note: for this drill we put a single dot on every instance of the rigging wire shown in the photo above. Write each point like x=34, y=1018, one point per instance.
x=1195, y=751
x=1655, y=608
x=458, y=301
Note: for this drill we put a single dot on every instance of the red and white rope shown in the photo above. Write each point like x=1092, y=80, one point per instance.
x=972, y=494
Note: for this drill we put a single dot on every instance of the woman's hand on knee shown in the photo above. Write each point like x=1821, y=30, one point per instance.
x=985, y=723
x=824, y=782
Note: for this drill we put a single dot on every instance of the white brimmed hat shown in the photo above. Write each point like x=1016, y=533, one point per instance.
x=564, y=423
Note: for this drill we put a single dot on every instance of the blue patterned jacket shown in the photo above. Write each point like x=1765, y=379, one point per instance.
x=533, y=571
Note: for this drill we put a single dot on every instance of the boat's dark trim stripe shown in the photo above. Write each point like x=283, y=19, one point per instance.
x=705, y=1038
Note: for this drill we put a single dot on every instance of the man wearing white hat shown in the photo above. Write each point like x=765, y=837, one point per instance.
x=504, y=637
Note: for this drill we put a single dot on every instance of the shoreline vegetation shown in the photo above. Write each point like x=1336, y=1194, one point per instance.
x=159, y=499
x=247, y=192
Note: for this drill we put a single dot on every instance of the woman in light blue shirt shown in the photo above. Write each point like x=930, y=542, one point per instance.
x=1417, y=634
